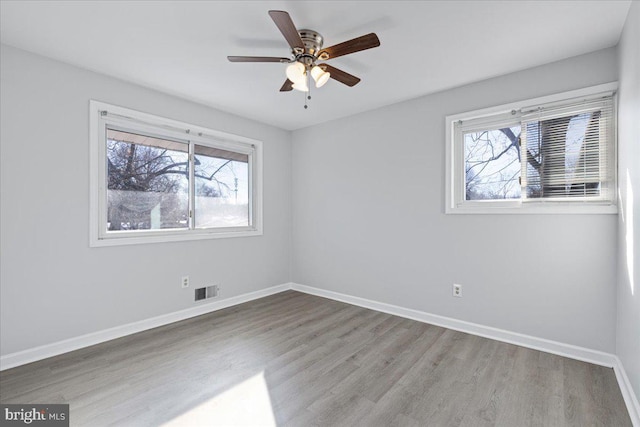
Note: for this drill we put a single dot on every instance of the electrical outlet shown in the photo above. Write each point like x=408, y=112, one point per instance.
x=185, y=282
x=457, y=290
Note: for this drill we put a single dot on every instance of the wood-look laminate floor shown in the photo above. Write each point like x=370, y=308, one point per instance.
x=300, y=360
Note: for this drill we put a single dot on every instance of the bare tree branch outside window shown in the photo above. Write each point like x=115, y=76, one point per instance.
x=492, y=164
x=561, y=154
x=148, y=185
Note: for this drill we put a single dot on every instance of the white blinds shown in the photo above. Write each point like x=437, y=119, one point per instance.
x=569, y=151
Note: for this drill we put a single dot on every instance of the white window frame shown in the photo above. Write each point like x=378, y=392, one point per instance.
x=455, y=202
x=102, y=115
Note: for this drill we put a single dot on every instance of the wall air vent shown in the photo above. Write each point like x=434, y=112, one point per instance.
x=207, y=292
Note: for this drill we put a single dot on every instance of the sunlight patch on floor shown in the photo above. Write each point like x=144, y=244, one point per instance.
x=246, y=404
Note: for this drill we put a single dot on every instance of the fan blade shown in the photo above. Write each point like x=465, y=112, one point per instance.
x=257, y=59
x=339, y=75
x=351, y=46
x=287, y=86
x=287, y=28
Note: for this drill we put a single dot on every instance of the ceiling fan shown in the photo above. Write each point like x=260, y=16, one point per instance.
x=306, y=51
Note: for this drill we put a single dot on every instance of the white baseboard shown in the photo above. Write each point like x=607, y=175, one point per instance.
x=567, y=350
x=629, y=395
x=574, y=352
x=42, y=352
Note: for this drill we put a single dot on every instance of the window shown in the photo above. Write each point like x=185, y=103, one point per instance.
x=548, y=155
x=155, y=179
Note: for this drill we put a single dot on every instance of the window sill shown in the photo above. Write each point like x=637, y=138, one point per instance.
x=544, y=208
x=168, y=236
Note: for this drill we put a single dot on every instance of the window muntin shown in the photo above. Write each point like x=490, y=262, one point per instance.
x=156, y=179
x=563, y=146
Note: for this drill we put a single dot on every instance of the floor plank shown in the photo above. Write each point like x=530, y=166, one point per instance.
x=293, y=359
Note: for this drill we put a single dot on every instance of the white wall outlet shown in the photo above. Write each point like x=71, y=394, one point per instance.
x=185, y=282
x=457, y=290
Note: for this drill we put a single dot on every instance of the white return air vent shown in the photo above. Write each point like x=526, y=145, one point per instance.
x=207, y=292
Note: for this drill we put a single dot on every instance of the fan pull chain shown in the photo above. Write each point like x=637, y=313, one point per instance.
x=308, y=92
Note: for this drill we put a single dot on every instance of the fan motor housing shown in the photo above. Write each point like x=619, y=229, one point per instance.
x=312, y=41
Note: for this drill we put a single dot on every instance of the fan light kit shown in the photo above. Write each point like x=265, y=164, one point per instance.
x=306, y=50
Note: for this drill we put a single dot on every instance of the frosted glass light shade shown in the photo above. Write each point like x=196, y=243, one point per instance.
x=319, y=76
x=296, y=72
x=301, y=86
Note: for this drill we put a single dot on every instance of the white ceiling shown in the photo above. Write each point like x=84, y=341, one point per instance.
x=180, y=47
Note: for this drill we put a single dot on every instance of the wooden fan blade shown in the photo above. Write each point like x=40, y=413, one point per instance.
x=339, y=75
x=287, y=28
x=257, y=59
x=287, y=86
x=355, y=45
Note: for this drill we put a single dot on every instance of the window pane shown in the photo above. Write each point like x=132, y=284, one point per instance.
x=148, y=185
x=221, y=188
x=566, y=154
x=492, y=164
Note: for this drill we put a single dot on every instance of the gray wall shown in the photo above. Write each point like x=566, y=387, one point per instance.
x=628, y=330
x=53, y=285
x=368, y=220
x=364, y=196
